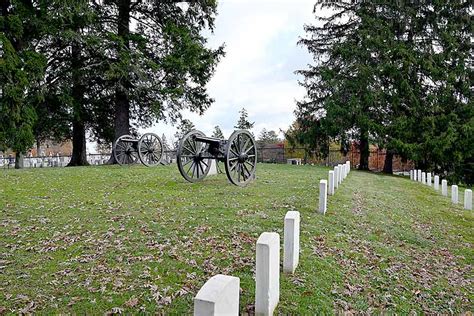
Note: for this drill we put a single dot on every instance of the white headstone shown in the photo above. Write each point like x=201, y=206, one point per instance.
x=436, y=183
x=423, y=177
x=428, y=178
x=213, y=169
x=323, y=196
x=331, y=183
x=336, y=177
x=341, y=173
x=348, y=166
x=267, y=281
x=454, y=194
x=218, y=296
x=444, y=187
x=291, y=245
x=468, y=199
x=411, y=174
x=415, y=175
x=419, y=175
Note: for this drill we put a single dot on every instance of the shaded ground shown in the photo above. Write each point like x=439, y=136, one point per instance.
x=125, y=239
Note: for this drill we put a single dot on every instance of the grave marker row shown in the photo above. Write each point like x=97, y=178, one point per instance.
x=220, y=294
x=425, y=178
x=328, y=187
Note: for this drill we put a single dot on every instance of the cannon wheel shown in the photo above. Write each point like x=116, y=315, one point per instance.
x=241, y=158
x=150, y=149
x=191, y=165
x=124, y=150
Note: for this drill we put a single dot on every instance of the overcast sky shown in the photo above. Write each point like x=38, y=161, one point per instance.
x=257, y=73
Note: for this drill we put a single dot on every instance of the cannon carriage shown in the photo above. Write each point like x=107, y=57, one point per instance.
x=238, y=153
x=148, y=149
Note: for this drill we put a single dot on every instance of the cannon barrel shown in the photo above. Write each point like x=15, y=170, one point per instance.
x=207, y=140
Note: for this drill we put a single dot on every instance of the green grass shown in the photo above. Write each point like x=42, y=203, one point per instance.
x=108, y=238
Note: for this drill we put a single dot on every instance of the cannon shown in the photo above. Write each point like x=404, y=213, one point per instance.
x=238, y=153
x=148, y=149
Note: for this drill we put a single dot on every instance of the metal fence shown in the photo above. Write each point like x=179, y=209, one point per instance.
x=63, y=160
x=51, y=161
x=273, y=154
x=281, y=154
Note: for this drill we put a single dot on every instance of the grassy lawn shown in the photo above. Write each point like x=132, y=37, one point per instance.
x=128, y=239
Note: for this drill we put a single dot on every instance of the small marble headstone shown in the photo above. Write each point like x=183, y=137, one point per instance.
x=218, y=296
x=291, y=245
x=468, y=199
x=267, y=274
x=454, y=194
x=444, y=187
x=323, y=187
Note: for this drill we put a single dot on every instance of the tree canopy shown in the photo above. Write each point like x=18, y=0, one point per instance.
x=21, y=71
x=101, y=70
x=243, y=122
x=394, y=75
x=267, y=137
x=217, y=133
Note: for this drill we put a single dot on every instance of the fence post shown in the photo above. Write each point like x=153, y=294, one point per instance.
x=284, y=159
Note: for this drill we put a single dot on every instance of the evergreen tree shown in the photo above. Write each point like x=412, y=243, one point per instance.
x=342, y=92
x=21, y=72
x=164, y=140
x=183, y=128
x=158, y=68
x=243, y=122
x=445, y=140
x=267, y=137
x=217, y=133
x=394, y=75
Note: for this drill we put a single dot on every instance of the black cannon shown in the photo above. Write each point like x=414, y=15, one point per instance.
x=148, y=149
x=238, y=153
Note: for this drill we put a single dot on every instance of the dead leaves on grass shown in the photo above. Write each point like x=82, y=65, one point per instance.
x=379, y=279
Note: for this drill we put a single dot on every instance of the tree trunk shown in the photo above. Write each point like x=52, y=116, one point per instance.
x=79, y=154
x=364, y=150
x=19, y=160
x=122, y=113
x=38, y=147
x=122, y=102
x=388, y=164
x=79, y=157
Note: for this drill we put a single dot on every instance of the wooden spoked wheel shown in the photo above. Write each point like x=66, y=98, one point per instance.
x=193, y=157
x=150, y=149
x=241, y=158
x=125, y=152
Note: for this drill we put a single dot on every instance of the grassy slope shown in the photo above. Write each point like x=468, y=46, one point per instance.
x=98, y=238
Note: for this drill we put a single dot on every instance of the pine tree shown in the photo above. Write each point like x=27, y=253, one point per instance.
x=397, y=76
x=158, y=68
x=217, y=133
x=267, y=137
x=342, y=99
x=243, y=122
x=183, y=128
x=21, y=72
x=164, y=140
